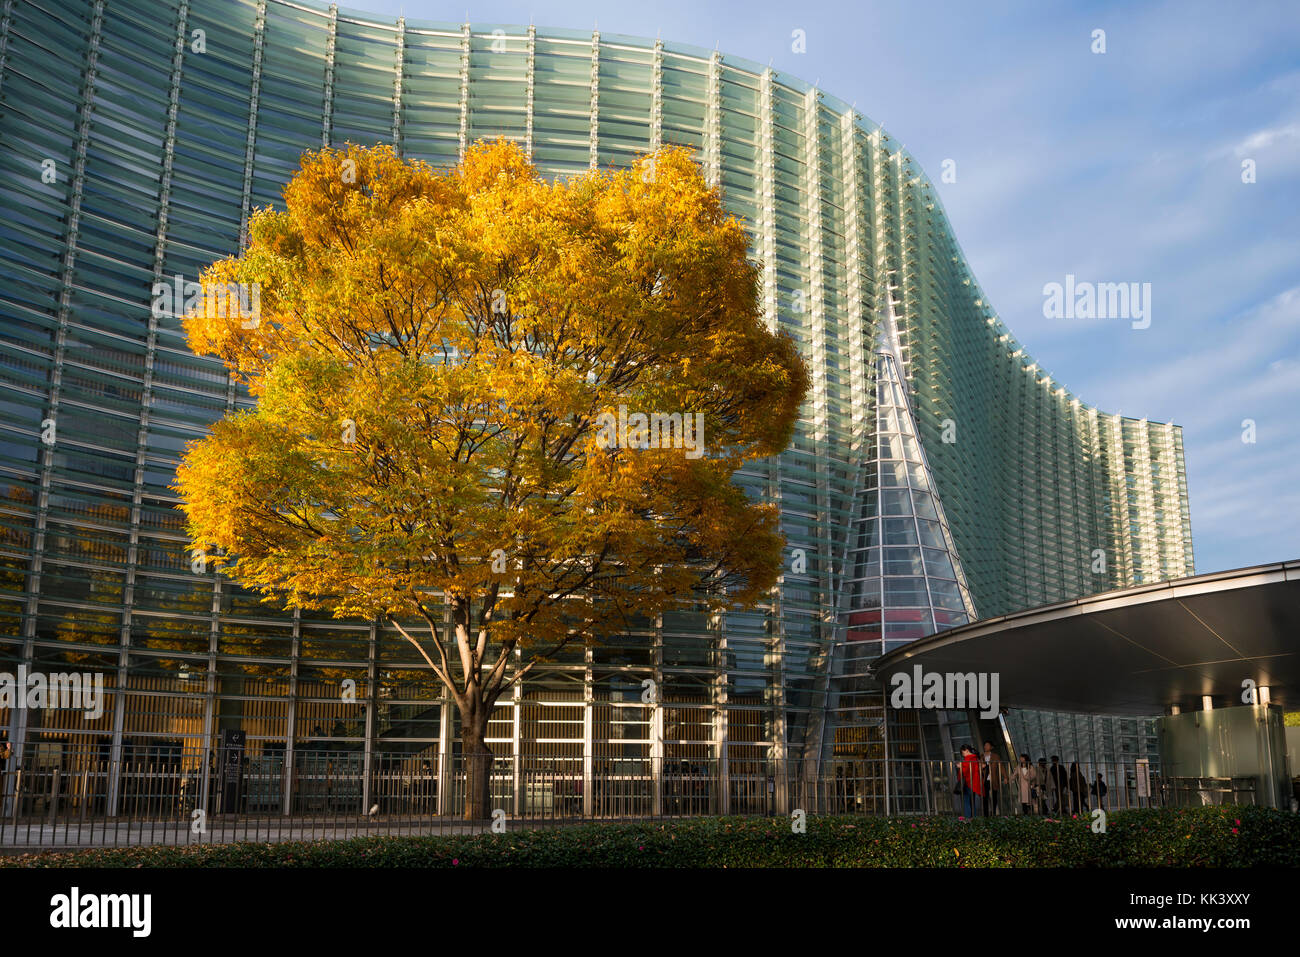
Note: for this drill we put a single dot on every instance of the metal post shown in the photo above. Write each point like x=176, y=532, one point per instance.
x=884, y=724
x=54, y=796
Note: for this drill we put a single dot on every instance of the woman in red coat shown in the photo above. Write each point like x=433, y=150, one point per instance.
x=972, y=780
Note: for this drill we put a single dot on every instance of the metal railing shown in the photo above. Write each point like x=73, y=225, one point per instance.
x=72, y=796
x=1195, y=792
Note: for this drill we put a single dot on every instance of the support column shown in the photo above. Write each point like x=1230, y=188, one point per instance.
x=657, y=751
x=6, y=18
x=857, y=251
x=464, y=91
x=291, y=716
x=588, y=737
x=825, y=575
x=713, y=123
x=250, y=145
x=76, y=186
x=142, y=437
x=372, y=705
x=399, y=64
x=531, y=91
x=446, y=766
x=327, y=107
x=209, y=706
x=777, y=796
x=723, y=778
x=657, y=97
x=594, y=143
x=517, y=732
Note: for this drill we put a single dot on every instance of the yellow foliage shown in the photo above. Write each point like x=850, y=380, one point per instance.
x=432, y=356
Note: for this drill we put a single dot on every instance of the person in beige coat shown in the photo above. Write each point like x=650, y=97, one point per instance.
x=1025, y=777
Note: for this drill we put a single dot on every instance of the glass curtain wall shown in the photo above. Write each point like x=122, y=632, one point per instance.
x=137, y=138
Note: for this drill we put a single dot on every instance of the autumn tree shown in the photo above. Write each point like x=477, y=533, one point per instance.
x=451, y=370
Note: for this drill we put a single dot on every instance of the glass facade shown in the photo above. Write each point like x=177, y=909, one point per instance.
x=943, y=474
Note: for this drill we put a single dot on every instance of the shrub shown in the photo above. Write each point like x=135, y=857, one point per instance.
x=1221, y=836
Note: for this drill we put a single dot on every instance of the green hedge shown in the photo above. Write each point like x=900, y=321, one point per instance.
x=1199, y=837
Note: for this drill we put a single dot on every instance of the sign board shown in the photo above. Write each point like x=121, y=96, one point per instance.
x=1143, y=778
x=232, y=768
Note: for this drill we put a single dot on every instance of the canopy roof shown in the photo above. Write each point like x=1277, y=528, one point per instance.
x=1136, y=651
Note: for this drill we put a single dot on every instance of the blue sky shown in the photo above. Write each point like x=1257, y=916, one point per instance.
x=1117, y=167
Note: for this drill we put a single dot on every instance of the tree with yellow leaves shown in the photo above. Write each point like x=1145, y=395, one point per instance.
x=498, y=412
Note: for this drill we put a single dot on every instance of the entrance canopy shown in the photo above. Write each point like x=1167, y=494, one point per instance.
x=1136, y=651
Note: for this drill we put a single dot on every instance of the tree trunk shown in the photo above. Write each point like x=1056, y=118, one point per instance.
x=478, y=770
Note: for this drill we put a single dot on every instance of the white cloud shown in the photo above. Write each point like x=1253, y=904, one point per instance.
x=1263, y=139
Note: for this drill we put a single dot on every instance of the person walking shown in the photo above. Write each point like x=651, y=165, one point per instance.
x=971, y=779
x=1025, y=778
x=1078, y=790
x=1060, y=785
x=995, y=776
x=1044, y=786
x=1099, y=791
